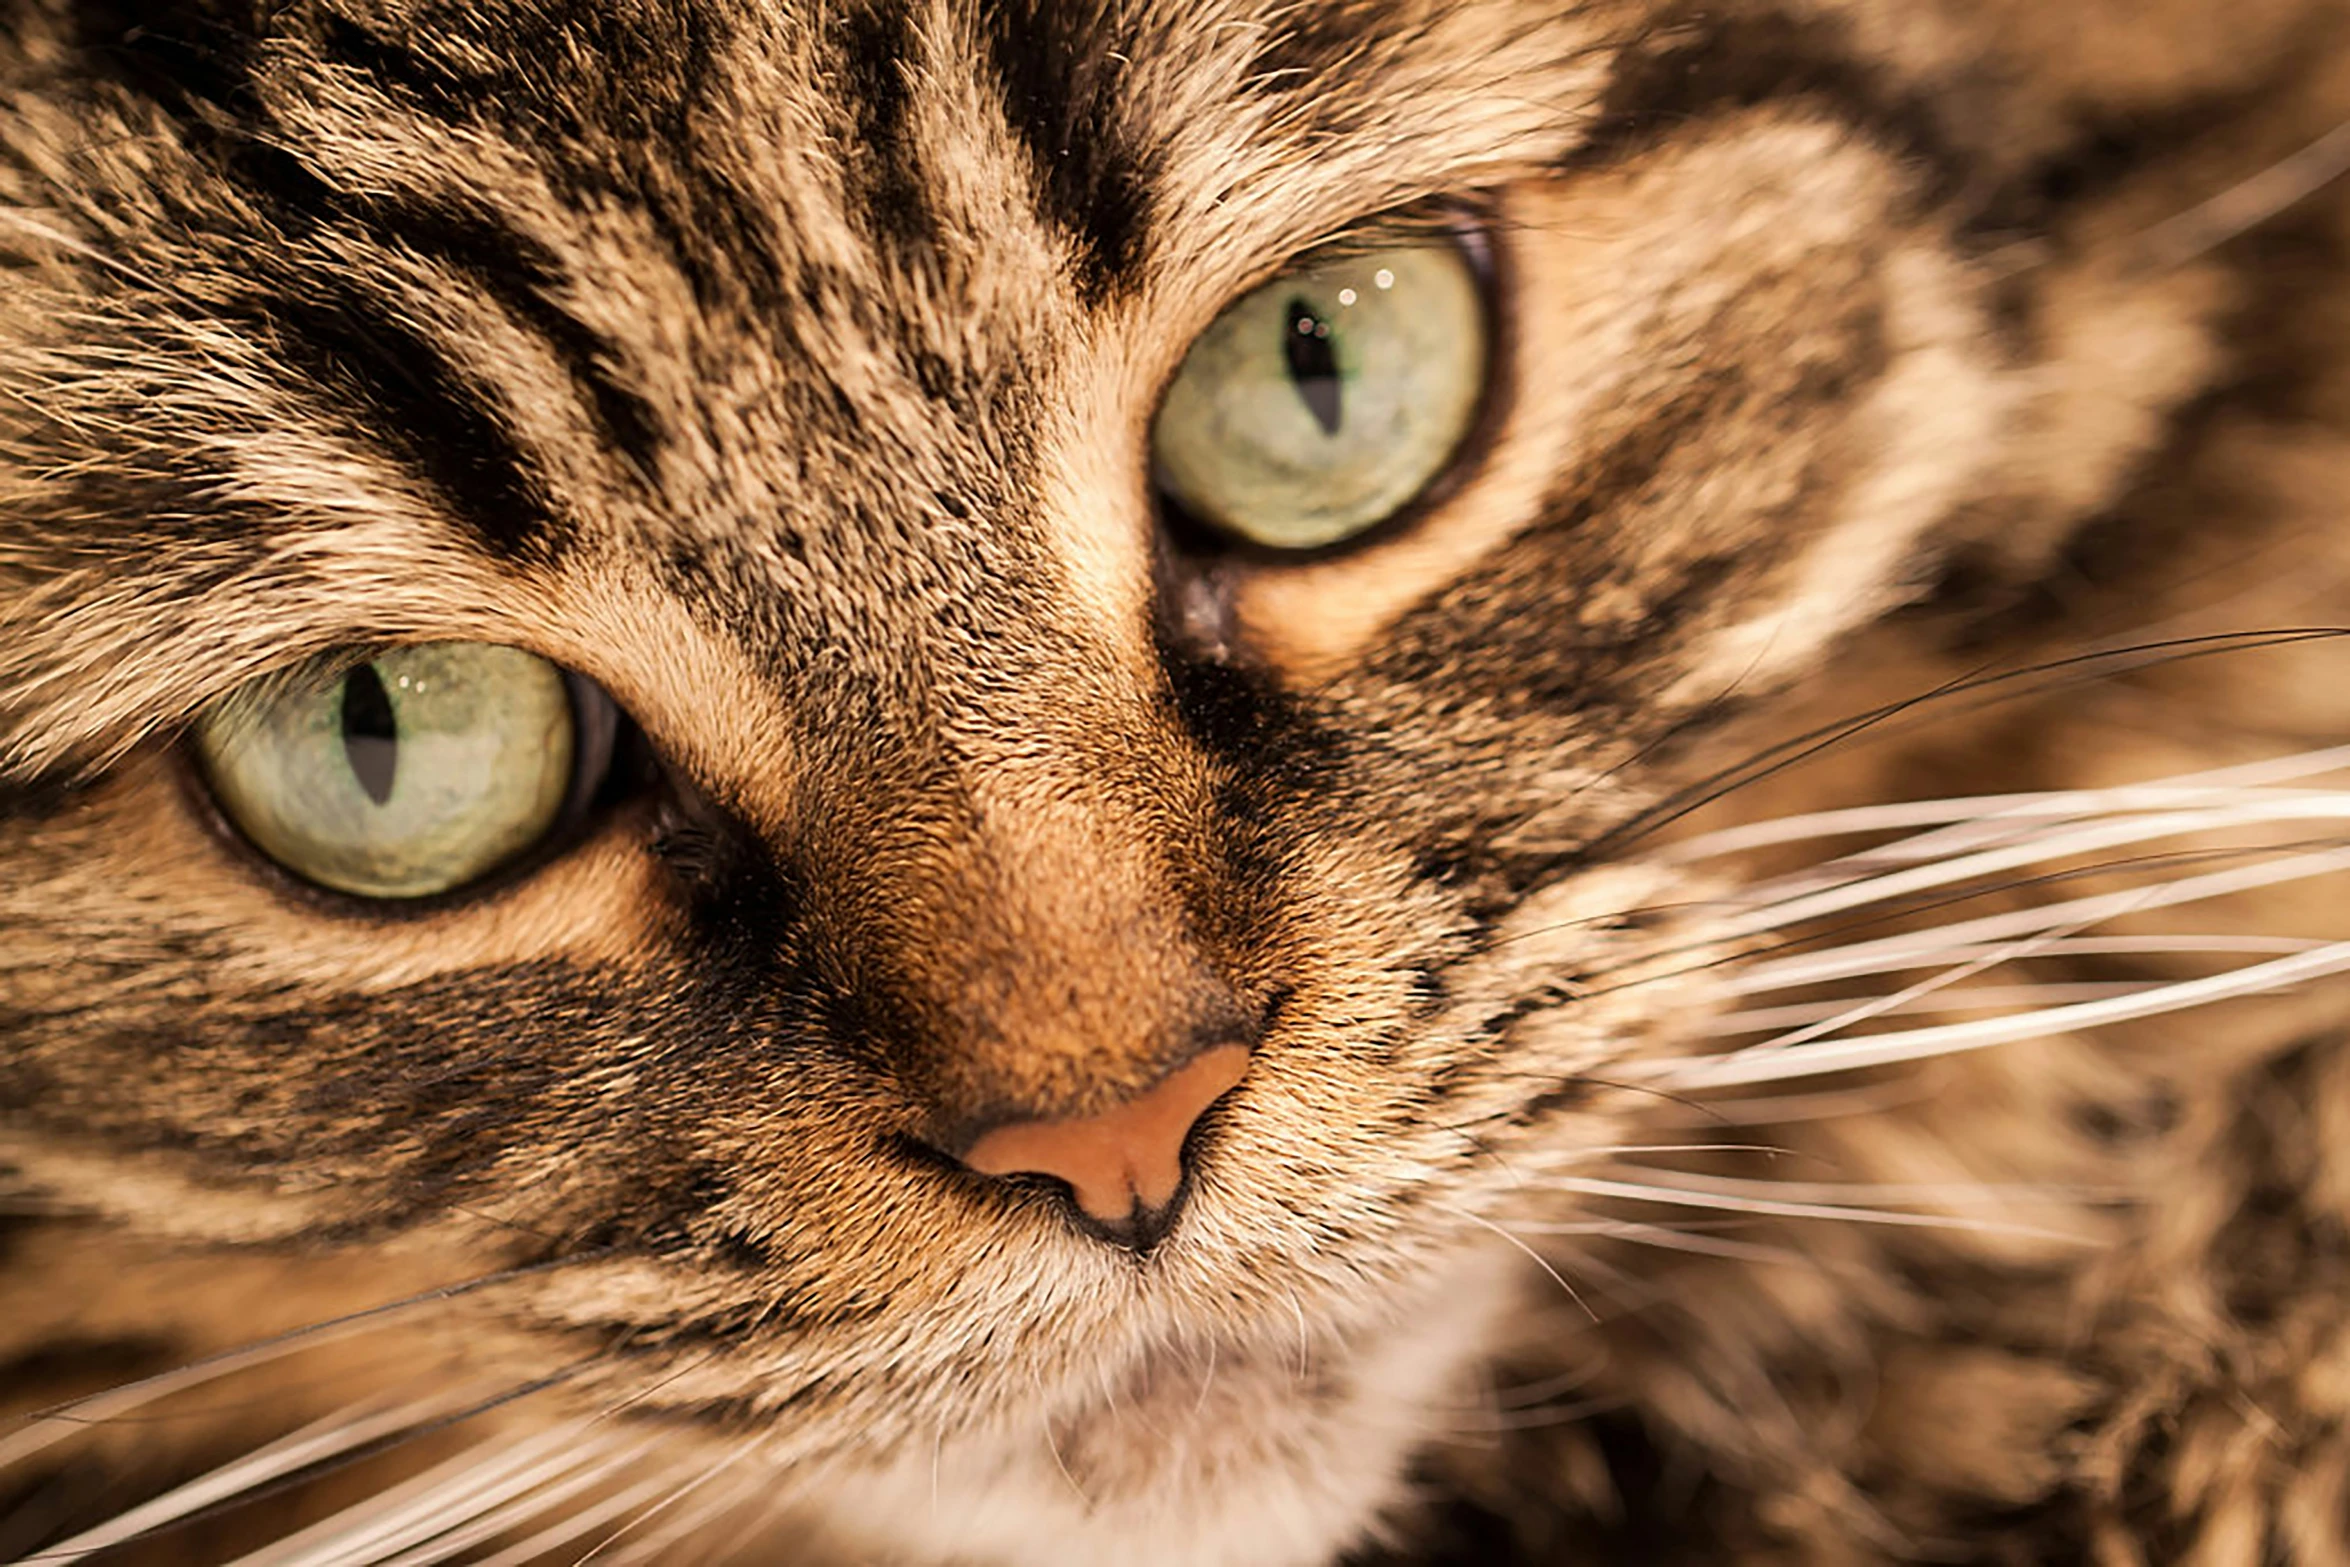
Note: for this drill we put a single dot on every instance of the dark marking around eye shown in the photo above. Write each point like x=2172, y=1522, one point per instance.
x=371, y=732
x=1313, y=366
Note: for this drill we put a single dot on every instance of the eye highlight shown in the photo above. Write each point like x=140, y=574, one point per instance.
x=1323, y=403
x=407, y=776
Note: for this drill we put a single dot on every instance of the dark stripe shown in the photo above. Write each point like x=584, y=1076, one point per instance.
x=450, y=431
x=435, y=87
x=650, y=69
x=69, y=1359
x=517, y=272
x=876, y=46
x=1271, y=761
x=470, y=241
x=611, y=97
x=1507, y=611
x=1706, y=65
x=1054, y=65
x=747, y=904
x=523, y=276
x=1240, y=716
x=203, y=49
x=177, y=53
x=38, y=797
x=1519, y=597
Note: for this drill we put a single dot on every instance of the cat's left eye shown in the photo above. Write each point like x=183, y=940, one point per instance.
x=1327, y=401
x=410, y=775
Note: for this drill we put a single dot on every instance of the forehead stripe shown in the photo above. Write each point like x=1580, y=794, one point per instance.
x=1679, y=75
x=888, y=185
x=448, y=429
x=1057, y=68
x=359, y=339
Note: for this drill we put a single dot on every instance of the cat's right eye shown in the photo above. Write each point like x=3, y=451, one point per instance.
x=407, y=776
x=1325, y=402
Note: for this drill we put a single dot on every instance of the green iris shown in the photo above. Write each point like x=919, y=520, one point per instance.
x=400, y=778
x=1325, y=402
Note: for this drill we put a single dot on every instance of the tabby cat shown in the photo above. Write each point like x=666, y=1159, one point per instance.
x=1174, y=781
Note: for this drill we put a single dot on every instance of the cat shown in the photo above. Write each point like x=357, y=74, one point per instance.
x=1188, y=781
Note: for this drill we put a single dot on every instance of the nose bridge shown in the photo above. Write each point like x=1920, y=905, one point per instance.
x=1039, y=940
x=1003, y=875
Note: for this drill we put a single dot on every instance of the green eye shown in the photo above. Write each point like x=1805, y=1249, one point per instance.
x=400, y=778
x=1325, y=402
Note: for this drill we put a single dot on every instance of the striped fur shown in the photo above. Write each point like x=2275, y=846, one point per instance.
x=1898, y=401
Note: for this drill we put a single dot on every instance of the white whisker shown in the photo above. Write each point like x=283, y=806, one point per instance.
x=654, y=1545
x=1778, y=910
x=2250, y=806
x=2187, y=788
x=1780, y=1208
x=1864, y=1098
x=2248, y=203
x=531, y=1496
x=618, y=1505
x=1915, y=995
x=1851, y=962
x=1671, y=1238
x=1207, y=1381
x=1861, y=1194
x=1951, y=1038
x=1538, y=1259
x=1930, y=946
x=755, y=1510
x=1618, y=1150
x=938, y=1443
x=322, y=1440
x=449, y=1494
x=1519, y=1395
x=54, y=1425
x=710, y=1473
x=1053, y=1446
x=1976, y=998
x=354, y=1529
x=1534, y=1417
x=42, y=1427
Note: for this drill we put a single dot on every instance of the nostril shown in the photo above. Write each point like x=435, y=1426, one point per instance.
x=1127, y=1160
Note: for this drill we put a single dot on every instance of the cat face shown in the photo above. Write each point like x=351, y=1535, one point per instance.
x=798, y=385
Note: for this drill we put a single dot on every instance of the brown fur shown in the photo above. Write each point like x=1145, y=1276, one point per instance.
x=788, y=371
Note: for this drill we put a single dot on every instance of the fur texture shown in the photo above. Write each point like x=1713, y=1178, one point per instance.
x=1978, y=370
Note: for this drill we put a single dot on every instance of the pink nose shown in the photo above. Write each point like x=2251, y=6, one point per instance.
x=1129, y=1158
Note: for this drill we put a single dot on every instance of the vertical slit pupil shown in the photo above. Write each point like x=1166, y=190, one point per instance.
x=1313, y=364
x=371, y=732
